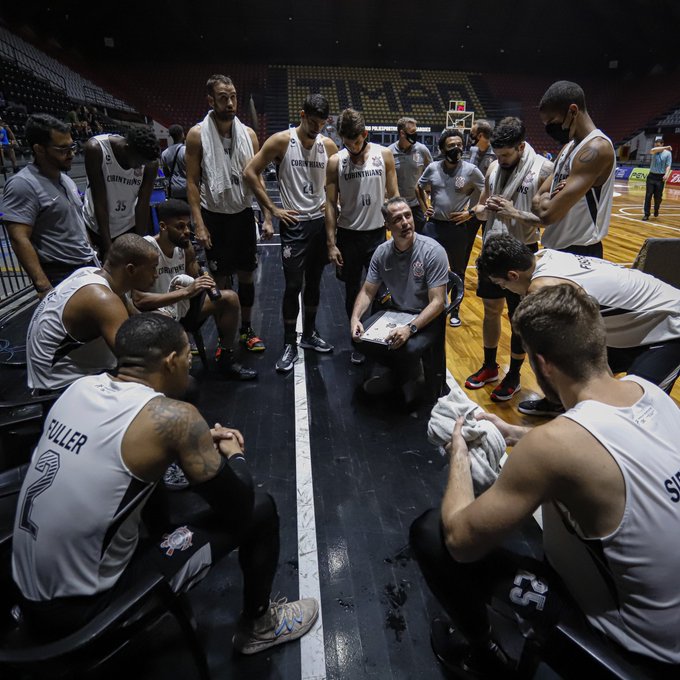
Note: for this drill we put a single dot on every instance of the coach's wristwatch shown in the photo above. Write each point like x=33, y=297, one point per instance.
x=413, y=328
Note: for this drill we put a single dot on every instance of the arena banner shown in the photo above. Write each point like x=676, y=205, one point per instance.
x=623, y=171
x=674, y=178
x=638, y=175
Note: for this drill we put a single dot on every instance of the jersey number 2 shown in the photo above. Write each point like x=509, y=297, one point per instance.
x=48, y=464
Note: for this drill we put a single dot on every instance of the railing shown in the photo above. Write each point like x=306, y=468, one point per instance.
x=37, y=68
x=13, y=279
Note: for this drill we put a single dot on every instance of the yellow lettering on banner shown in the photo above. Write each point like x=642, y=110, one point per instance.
x=383, y=95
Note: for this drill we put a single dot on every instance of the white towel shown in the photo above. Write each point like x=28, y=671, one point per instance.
x=530, y=162
x=484, y=440
x=223, y=172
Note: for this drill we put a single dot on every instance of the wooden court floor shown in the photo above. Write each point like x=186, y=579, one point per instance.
x=627, y=233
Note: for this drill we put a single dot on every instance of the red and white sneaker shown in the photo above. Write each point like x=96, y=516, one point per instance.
x=507, y=389
x=486, y=374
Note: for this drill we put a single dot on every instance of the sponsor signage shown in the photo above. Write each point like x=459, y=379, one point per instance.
x=639, y=175
x=623, y=171
x=393, y=128
x=674, y=178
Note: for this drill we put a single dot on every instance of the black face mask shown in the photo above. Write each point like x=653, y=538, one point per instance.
x=453, y=155
x=557, y=132
x=412, y=138
x=358, y=153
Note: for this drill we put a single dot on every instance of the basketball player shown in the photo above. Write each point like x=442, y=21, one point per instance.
x=217, y=151
x=641, y=314
x=605, y=475
x=574, y=203
x=301, y=156
x=188, y=301
x=358, y=179
x=410, y=159
x=174, y=165
x=120, y=176
x=509, y=187
x=450, y=183
x=73, y=329
x=106, y=444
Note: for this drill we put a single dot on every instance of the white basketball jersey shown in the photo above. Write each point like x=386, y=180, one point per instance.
x=302, y=178
x=122, y=188
x=632, y=596
x=55, y=359
x=521, y=200
x=637, y=308
x=362, y=190
x=77, y=521
x=168, y=268
x=587, y=221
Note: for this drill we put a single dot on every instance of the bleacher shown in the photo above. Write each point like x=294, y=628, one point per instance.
x=68, y=81
x=383, y=95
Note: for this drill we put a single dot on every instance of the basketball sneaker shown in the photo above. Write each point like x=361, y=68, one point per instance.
x=507, y=388
x=540, y=407
x=486, y=374
x=315, y=342
x=230, y=368
x=250, y=341
x=288, y=359
x=174, y=478
x=282, y=622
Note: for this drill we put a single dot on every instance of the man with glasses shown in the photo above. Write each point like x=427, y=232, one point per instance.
x=120, y=176
x=42, y=208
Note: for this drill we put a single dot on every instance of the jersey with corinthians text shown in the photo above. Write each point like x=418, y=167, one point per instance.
x=362, y=190
x=167, y=269
x=77, y=523
x=122, y=188
x=302, y=178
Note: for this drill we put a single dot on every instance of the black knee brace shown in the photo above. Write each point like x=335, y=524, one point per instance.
x=516, y=346
x=290, y=295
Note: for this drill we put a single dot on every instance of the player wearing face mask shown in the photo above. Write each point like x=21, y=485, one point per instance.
x=574, y=203
x=410, y=160
x=451, y=182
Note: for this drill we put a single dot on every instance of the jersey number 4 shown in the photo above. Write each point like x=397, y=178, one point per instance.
x=48, y=464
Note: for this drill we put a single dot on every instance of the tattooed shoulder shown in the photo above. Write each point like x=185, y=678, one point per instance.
x=176, y=422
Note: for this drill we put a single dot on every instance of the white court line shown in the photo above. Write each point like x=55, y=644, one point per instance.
x=312, y=653
x=647, y=224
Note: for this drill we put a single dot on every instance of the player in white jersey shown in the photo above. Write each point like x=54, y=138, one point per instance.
x=104, y=447
x=605, y=475
x=217, y=152
x=120, y=176
x=574, y=203
x=359, y=179
x=73, y=329
x=301, y=155
x=185, y=293
x=640, y=312
x=505, y=205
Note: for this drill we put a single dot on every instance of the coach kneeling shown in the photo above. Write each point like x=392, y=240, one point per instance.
x=415, y=270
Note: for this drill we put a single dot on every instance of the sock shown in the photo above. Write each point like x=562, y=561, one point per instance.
x=289, y=334
x=309, y=322
x=490, y=356
x=515, y=366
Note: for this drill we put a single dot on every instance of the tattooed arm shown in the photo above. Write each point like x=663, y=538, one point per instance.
x=590, y=168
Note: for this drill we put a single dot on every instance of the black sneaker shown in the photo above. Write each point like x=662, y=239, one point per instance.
x=232, y=369
x=288, y=359
x=315, y=342
x=540, y=407
x=645, y=218
x=456, y=655
x=357, y=358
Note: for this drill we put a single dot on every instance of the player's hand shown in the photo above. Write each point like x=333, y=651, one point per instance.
x=200, y=283
x=501, y=206
x=398, y=337
x=457, y=445
x=558, y=188
x=511, y=433
x=357, y=329
x=203, y=236
x=267, y=229
x=335, y=256
x=42, y=293
x=228, y=441
x=287, y=216
x=460, y=217
x=429, y=212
